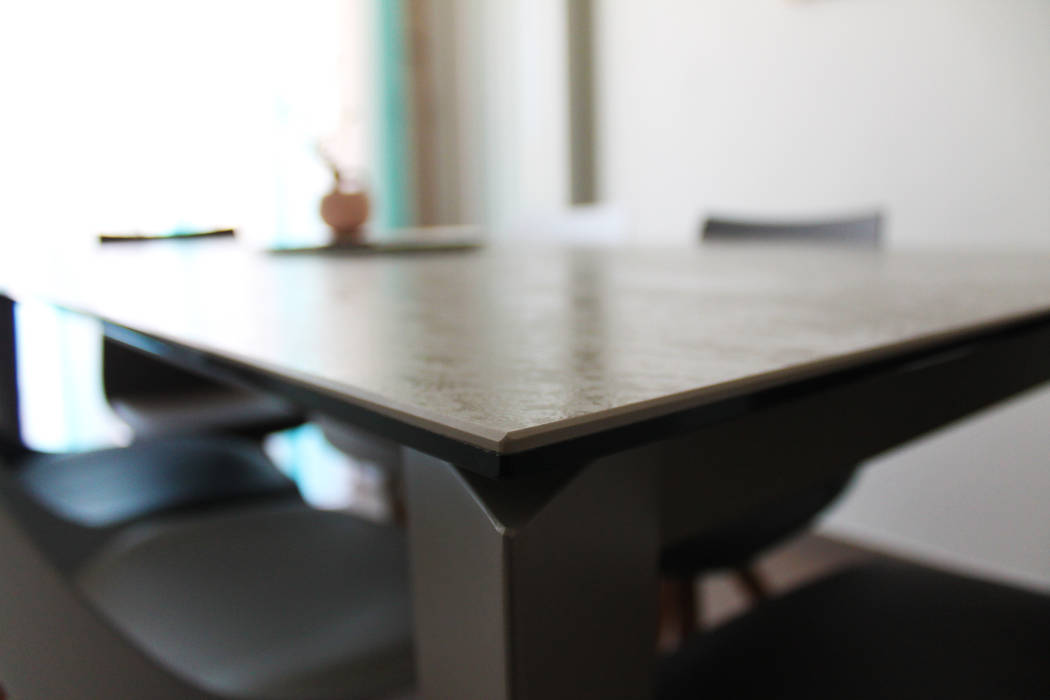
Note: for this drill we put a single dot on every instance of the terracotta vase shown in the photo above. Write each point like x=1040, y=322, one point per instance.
x=345, y=212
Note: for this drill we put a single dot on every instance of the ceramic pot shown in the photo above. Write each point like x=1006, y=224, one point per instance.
x=345, y=212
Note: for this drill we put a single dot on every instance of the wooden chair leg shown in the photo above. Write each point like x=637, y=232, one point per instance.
x=689, y=603
x=752, y=583
x=679, y=611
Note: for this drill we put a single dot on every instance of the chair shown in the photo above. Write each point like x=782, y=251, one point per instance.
x=113, y=487
x=861, y=231
x=877, y=631
x=380, y=453
x=737, y=544
x=260, y=598
x=156, y=399
x=257, y=601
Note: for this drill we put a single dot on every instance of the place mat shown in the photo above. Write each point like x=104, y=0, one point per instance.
x=438, y=239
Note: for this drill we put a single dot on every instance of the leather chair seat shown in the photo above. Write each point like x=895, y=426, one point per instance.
x=878, y=631
x=266, y=603
x=360, y=444
x=108, y=487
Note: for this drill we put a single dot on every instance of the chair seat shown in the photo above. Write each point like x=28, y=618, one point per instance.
x=225, y=411
x=383, y=453
x=738, y=542
x=879, y=631
x=109, y=487
x=269, y=602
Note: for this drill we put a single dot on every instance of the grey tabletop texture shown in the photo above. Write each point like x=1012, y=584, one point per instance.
x=516, y=348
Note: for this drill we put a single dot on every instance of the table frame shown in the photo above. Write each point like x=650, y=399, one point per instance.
x=10, y=420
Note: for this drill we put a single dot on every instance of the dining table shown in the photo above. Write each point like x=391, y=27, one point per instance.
x=565, y=412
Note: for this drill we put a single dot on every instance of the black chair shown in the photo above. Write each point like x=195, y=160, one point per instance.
x=861, y=231
x=877, y=631
x=261, y=597
x=253, y=601
x=380, y=453
x=735, y=545
x=156, y=399
x=113, y=487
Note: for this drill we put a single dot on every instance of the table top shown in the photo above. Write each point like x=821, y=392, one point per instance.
x=507, y=350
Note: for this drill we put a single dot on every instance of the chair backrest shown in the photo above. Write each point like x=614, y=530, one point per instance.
x=127, y=372
x=10, y=424
x=861, y=231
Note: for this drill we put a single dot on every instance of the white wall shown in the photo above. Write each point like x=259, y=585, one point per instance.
x=937, y=110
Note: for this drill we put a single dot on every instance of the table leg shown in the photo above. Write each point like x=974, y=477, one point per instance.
x=534, y=588
x=10, y=431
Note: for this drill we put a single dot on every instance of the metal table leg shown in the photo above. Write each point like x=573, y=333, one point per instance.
x=539, y=587
x=10, y=431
